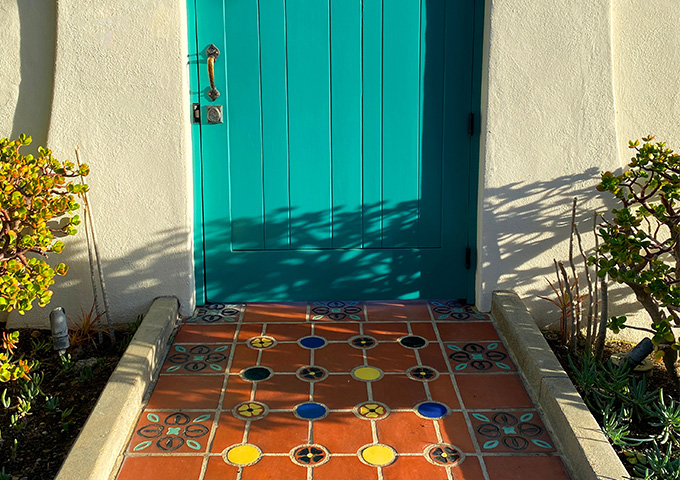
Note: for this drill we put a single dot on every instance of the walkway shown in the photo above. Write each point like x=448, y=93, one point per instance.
x=340, y=390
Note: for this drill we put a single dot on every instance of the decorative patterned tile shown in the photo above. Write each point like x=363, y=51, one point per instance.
x=511, y=432
x=214, y=313
x=176, y=432
x=196, y=359
x=454, y=310
x=337, y=311
x=479, y=357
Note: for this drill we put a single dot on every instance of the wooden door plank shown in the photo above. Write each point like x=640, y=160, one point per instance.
x=309, y=123
x=372, y=123
x=432, y=101
x=401, y=120
x=216, y=228
x=244, y=123
x=274, y=124
x=346, y=122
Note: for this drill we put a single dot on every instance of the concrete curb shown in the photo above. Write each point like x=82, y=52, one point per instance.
x=586, y=450
x=95, y=453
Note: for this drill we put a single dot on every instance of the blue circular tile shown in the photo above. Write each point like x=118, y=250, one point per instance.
x=432, y=409
x=312, y=342
x=311, y=411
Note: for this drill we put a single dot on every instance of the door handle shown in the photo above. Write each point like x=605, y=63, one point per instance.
x=212, y=52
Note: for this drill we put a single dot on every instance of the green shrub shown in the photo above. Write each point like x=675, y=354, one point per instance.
x=641, y=243
x=35, y=203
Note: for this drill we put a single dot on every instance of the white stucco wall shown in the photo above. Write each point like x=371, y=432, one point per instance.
x=646, y=71
x=121, y=94
x=549, y=128
x=566, y=85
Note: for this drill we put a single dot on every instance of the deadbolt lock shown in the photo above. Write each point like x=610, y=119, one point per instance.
x=214, y=113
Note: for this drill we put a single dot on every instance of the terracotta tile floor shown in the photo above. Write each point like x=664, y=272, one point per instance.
x=340, y=390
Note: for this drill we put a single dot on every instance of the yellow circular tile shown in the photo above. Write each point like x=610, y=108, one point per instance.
x=378, y=455
x=243, y=455
x=367, y=373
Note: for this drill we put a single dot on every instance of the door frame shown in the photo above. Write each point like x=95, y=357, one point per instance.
x=193, y=64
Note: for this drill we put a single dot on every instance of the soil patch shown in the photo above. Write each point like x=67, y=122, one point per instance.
x=35, y=448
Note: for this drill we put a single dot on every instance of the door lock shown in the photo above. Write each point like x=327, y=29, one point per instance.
x=214, y=113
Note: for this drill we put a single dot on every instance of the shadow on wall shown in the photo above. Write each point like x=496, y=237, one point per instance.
x=162, y=268
x=298, y=263
x=38, y=31
x=531, y=219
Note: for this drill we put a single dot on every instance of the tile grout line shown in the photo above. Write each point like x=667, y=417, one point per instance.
x=460, y=398
x=428, y=393
x=223, y=392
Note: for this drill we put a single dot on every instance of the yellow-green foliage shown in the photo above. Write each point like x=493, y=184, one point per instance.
x=35, y=203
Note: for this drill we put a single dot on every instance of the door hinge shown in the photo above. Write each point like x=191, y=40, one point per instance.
x=468, y=258
x=471, y=124
x=196, y=112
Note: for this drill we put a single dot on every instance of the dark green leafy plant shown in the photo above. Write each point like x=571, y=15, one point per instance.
x=659, y=465
x=638, y=398
x=667, y=416
x=35, y=203
x=641, y=243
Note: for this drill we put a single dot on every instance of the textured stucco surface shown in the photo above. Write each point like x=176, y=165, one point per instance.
x=549, y=128
x=646, y=66
x=27, y=36
x=120, y=93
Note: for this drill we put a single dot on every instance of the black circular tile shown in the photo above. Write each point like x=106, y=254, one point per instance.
x=256, y=374
x=413, y=341
x=363, y=342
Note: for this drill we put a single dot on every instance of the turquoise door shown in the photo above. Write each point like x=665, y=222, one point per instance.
x=344, y=166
